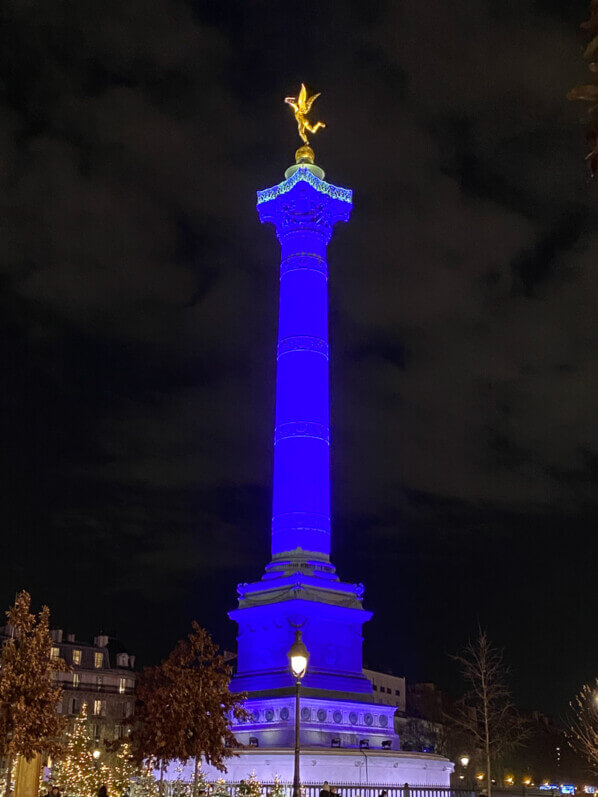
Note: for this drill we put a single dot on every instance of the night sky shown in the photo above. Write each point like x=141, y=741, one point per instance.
x=139, y=307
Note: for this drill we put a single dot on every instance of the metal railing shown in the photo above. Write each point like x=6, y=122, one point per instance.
x=86, y=686
x=344, y=789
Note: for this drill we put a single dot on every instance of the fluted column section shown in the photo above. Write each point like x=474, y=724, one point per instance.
x=303, y=217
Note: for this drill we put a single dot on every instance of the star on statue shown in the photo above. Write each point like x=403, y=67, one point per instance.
x=301, y=105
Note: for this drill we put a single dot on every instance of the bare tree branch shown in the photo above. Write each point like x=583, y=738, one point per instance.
x=486, y=713
x=582, y=734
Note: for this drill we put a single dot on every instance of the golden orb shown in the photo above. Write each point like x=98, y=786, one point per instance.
x=304, y=154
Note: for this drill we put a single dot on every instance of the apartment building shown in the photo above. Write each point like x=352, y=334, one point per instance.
x=389, y=690
x=102, y=676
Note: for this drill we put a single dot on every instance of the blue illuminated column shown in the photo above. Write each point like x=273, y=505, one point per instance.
x=300, y=588
x=303, y=209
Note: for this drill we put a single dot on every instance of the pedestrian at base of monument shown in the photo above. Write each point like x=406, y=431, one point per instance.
x=103, y=791
x=325, y=790
x=383, y=793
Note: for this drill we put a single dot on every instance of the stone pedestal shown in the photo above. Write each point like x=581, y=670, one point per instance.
x=364, y=767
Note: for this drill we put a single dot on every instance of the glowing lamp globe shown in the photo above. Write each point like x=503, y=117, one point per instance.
x=298, y=656
x=464, y=760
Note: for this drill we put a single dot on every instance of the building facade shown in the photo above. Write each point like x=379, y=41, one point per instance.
x=102, y=676
x=388, y=689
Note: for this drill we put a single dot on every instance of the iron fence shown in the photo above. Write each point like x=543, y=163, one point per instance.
x=348, y=789
x=345, y=789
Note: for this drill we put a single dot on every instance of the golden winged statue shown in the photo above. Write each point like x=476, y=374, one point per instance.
x=301, y=105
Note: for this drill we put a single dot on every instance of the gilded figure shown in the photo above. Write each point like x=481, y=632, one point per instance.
x=301, y=106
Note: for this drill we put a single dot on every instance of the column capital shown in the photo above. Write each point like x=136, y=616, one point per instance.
x=304, y=202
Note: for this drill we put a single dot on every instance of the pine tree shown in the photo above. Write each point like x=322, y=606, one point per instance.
x=76, y=772
x=277, y=789
x=220, y=789
x=120, y=771
x=178, y=786
x=145, y=785
x=29, y=723
x=250, y=787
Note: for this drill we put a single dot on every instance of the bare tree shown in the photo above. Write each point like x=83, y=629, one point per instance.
x=486, y=714
x=582, y=734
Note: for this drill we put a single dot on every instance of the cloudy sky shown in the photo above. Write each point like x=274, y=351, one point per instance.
x=139, y=305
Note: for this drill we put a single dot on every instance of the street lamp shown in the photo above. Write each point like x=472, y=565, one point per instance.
x=464, y=761
x=298, y=658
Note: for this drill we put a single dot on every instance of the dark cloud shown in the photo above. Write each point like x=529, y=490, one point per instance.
x=138, y=296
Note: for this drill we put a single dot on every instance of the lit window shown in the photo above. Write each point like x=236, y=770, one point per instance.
x=76, y=657
x=97, y=707
x=54, y=653
x=122, y=685
x=75, y=679
x=98, y=660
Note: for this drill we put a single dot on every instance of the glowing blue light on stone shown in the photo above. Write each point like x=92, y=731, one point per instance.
x=303, y=173
x=300, y=587
x=303, y=210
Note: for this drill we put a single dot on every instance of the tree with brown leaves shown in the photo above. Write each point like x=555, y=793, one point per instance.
x=28, y=694
x=185, y=707
x=582, y=734
x=589, y=92
x=487, y=714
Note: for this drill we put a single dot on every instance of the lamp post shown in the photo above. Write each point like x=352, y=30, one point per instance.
x=96, y=758
x=298, y=658
x=464, y=761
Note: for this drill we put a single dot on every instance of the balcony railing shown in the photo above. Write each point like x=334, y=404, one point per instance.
x=108, y=689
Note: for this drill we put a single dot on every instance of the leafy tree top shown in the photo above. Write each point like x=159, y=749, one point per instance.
x=185, y=706
x=28, y=692
x=589, y=92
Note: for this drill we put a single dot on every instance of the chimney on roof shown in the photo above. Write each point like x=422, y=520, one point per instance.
x=101, y=641
x=56, y=634
x=69, y=637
